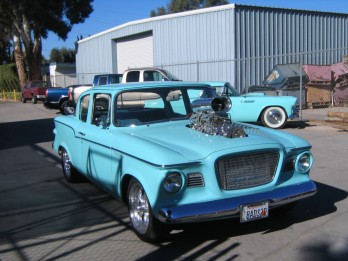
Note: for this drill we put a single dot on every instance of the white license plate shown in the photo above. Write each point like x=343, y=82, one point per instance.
x=253, y=212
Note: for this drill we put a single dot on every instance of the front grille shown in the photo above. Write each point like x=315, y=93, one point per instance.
x=247, y=170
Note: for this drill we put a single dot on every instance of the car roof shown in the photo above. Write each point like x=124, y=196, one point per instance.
x=147, y=85
x=215, y=83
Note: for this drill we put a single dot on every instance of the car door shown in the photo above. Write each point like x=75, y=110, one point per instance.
x=95, y=143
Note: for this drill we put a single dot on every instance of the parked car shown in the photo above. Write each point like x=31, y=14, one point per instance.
x=271, y=111
x=173, y=164
x=34, y=91
x=57, y=97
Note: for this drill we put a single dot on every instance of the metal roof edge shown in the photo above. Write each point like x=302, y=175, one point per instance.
x=162, y=17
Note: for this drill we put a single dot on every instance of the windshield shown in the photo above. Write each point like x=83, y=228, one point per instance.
x=226, y=89
x=156, y=105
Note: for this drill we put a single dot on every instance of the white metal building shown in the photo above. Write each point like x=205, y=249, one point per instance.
x=235, y=43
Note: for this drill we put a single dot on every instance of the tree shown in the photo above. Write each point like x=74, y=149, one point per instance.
x=31, y=20
x=176, y=6
x=62, y=55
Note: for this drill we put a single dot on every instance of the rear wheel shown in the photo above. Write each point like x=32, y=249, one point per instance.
x=70, y=173
x=63, y=105
x=24, y=100
x=144, y=224
x=274, y=117
x=34, y=99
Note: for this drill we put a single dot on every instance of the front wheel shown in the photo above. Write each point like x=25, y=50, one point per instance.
x=274, y=117
x=24, y=100
x=144, y=224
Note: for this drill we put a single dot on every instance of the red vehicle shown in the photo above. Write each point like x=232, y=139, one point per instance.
x=35, y=90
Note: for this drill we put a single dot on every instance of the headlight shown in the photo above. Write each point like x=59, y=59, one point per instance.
x=173, y=182
x=304, y=162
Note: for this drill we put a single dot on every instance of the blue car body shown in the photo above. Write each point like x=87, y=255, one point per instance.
x=254, y=107
x=144, y=144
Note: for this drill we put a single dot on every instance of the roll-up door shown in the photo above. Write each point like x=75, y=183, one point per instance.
x=134, y=51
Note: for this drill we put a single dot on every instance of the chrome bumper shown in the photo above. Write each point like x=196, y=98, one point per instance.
x=295, y=114
x=230, y=207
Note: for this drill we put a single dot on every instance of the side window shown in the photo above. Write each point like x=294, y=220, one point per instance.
x=101, y=109
x=149, y=76
x=133, y=76
x=102, y=80
x=84, y=103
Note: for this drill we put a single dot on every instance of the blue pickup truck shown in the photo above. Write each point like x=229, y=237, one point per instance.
x=57, y=97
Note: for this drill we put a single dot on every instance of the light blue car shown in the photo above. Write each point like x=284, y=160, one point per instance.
x=271, y=111
x=171, y=164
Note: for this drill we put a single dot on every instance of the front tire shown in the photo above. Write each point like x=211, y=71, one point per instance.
x=143, y=222
x=24, y=100
x=274, y=117
x=69, y=172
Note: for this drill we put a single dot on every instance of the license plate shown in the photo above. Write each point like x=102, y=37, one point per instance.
x=253, y=212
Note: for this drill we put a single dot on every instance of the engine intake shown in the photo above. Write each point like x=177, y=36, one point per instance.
x=216, y=121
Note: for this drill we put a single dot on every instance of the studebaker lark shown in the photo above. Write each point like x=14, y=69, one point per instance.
x=174, y=163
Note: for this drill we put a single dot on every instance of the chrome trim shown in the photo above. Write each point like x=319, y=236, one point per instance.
x=229, y=207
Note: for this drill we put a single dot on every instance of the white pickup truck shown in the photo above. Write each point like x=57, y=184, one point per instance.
x=130, y=75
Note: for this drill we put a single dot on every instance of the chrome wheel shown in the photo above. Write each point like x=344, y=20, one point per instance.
x=274, y=117
x=143, y=222
x=138, y=208
x=70, y=174
x=66, y=164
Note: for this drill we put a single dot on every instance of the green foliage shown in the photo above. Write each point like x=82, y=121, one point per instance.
x=62, y=55
x=8, y=78
x=176, y=6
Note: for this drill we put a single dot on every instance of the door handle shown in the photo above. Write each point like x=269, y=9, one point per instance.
x=81, y=133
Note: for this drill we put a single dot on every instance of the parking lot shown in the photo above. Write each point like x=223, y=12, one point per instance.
x=42, y=217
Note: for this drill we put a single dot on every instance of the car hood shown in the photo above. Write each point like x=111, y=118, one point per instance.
x=174, y=143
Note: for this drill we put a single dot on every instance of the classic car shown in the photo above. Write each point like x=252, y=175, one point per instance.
x=271, y=111
x=173, y=163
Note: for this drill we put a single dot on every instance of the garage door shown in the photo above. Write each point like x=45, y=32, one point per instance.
x=134, y=51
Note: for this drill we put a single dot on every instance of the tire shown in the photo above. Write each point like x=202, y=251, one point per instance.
x=24, y=100
x=63, y=105
x=34, y=99
x=274, y=117
x=69, y=172
x=144, y=224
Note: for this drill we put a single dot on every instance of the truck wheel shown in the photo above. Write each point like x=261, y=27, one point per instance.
x=63, y=105
x=34, y=99
x=144, y=224
x=274, y=117
x=70, y=173
x=24, y=100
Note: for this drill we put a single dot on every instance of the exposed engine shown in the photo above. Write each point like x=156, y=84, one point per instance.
x=216, y=121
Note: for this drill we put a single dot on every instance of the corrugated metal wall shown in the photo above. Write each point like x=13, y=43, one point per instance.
x=235, y=43
x=269, y=36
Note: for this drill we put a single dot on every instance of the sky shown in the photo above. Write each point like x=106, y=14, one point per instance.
x=111, y=13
